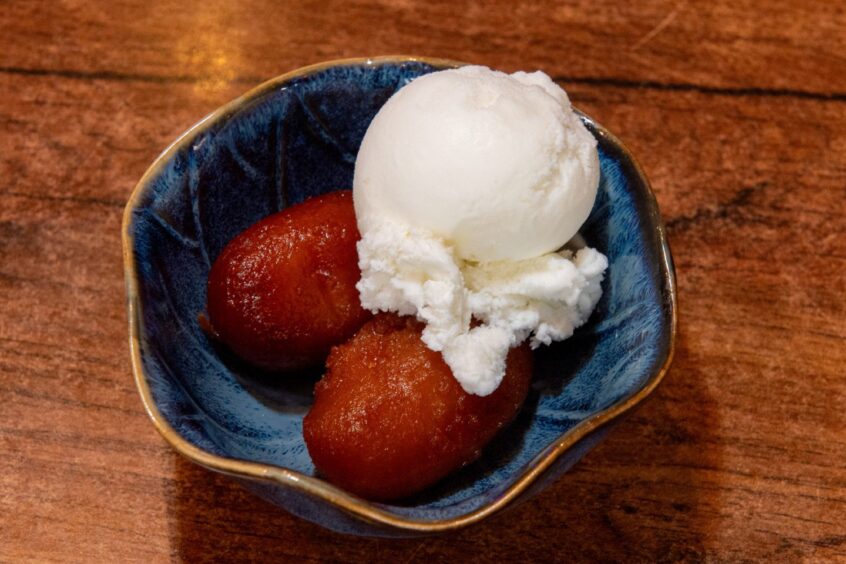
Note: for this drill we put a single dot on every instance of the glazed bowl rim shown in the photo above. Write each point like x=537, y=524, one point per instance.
x=358, y=507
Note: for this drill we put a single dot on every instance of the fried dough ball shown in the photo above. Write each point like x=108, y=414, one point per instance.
x=282, y=293
x=389, y=418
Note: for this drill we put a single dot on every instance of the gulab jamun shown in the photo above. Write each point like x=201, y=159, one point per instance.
x=389, y=418
x=282, y=293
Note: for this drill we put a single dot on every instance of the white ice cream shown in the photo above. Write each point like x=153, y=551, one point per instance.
x=466, y=184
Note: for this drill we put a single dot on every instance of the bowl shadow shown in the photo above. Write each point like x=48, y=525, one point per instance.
x=288, y=392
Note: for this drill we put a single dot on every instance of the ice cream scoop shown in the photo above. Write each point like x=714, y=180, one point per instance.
x=498, y=166
x=467, y=184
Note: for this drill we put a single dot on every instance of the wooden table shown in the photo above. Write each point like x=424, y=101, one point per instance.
x=737, y=111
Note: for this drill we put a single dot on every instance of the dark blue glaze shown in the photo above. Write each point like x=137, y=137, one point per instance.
x=300, y=140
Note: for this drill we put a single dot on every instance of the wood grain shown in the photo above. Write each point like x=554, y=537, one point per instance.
x=737, y=111
x=783, y=44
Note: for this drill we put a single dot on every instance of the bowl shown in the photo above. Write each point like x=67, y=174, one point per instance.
x=296, y=136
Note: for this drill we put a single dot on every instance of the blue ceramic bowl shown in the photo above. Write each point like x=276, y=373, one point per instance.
x=297, y=136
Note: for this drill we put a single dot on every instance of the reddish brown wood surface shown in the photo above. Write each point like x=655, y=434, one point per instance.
x=737, y=111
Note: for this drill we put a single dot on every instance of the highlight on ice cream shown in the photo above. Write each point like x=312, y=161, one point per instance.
x=468, y=184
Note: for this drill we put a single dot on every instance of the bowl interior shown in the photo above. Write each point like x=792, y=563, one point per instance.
x=299, y=139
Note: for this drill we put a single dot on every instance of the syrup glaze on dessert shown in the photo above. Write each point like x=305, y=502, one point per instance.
x=389, y=418
x=283, y=291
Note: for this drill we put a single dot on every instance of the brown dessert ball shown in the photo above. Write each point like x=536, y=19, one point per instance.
x=282, y=293
x=389, y=418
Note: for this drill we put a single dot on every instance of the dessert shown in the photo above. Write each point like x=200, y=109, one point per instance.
x=467, y=184
x=389, y=418
x=283, y=291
